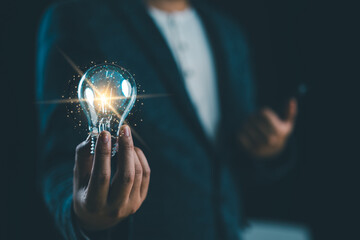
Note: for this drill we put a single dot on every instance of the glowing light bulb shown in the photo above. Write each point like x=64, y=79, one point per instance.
x=106, y=93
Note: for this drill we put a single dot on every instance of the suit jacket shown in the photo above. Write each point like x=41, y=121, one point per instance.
x=194, y=191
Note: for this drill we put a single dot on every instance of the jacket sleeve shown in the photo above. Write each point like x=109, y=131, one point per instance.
x=263, y=172
x=60, y=33
x=255, y=171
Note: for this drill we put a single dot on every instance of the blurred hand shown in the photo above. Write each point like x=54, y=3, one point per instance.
x=98, y=203
x=265, y=134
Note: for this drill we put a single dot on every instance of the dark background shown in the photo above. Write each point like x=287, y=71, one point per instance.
x=299, y=41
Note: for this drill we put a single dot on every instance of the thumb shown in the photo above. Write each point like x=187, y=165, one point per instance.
x=291, y=110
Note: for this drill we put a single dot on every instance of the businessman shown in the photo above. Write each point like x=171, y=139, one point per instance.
x=204, y=143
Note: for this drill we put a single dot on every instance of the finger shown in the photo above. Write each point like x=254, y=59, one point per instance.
x=254, y=135
x=273, y=119
x=265, y=124
x=291, y=111
x=267, y=130
x=101, y=172
x=83, y=163
x=145, y=173
x=125, y=173
x=246, y=142
x=135, y=191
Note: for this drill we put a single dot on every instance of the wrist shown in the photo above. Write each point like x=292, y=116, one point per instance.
x=86, y=234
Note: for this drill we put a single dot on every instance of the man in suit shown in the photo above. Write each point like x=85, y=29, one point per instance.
x=204, y=142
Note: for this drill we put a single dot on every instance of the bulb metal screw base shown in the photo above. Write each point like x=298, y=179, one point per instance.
x=93, y=143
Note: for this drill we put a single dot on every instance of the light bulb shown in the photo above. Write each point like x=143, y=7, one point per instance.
x=106, y=93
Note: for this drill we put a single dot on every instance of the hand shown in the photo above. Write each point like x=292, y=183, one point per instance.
x=98, y=203
x=265, y=134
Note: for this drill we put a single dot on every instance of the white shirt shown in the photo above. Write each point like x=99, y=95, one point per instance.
x=189, y=44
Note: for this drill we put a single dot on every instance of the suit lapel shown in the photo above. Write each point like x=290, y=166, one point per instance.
x=154, y=46
x=218, y=39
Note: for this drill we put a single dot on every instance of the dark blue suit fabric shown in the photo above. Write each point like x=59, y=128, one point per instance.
x=194, y=191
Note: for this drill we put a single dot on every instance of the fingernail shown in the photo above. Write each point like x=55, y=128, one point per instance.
x=104, y=137
x=127, y=131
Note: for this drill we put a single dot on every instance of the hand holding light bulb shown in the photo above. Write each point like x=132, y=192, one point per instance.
x=107, y=93
x=100, y=203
